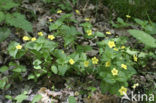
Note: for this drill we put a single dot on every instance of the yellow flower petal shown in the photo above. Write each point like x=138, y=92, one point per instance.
x=95, y=60
x=18, y=46
x=123, y=90
x=26, y=38
x=71, y=61
x=86, y=63
x=124, y=66
x=114, y=72
x=33, y=39
x=111, y=44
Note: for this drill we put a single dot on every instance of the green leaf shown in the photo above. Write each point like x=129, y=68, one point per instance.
x=54, y=69
x=2, y=16
x=8, y=97
x=12, y=49
x=84, y=48
x=121, y=77
x=36, y=98
x=99, y=34
x=20, y=98
x=19, y=69
x=104, y=87
x=62, y=69
x=3, y=82
x=31, y=76
x=109, y=79
x=37, y=62
x=18, y=20
x=71, y=99
x=56, y=25
x=144, y=38
x=4, y=33
x=7, y=4
x=3, y=69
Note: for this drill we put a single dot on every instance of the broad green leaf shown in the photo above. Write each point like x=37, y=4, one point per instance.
x=104, y=87
x=3, y=82
x=144, y=38
x=62, y=69
x=56, y=25
x=31, y=76
x=4, y=33
x=54, y=69
x=3, y=69
x=20, y=98
x=19, y=69
x=71, y=99
x=141, y=22
x=12, y=49
x=36, y=98
x=2, y=16
x=99, y=34
x=7, y=4
x=109, y=79
x=18, y=20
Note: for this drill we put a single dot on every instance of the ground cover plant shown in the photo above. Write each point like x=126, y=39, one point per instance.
x=55, y=51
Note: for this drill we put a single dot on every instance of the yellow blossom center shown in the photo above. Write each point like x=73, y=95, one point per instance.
x=40, y=33
x=87, y=19
x=59, y=11
x=89, y=32
x=77, y=12
x=109, y=33
x=26, y=38
x=111, y=44
x=33, y=39
x=128, y=16
x=95, y=60
x=51, y=37
x=124, y=66
x=18, y=46
x=123, y=90
x=71, y=61
x=122, y=47
x=135, y=85
x=86, y=63
x=114, y=72
x=135, y=58
x=107, y=64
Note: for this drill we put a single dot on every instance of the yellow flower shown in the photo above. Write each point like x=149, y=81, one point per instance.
x=114, y=72
x=107, y=64
x=87, y=19
x=95, y=60
x=77, y=12
x=33, y=39
x=50, y=20
x=109, y=33
x=135, y=85
x=40, y=33
x=124, y=66
x=71, y=61
x=122, y=47
x=128, y=16
x=59, y=11
x=51, y=37
x=111, y=44
x=26, y=38
x=89, y=32
x=123, y=90
x=135, y=58
x=18, y=46
x=116, y=49
x=86, y=63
